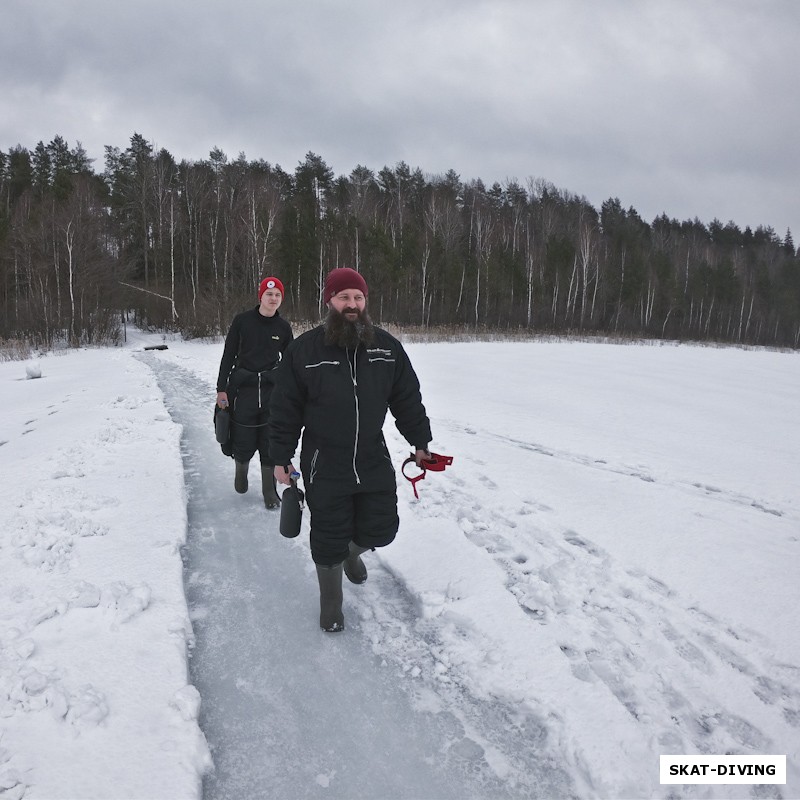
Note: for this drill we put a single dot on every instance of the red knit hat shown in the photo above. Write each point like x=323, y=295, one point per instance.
x=344, y=278
x=270, y=283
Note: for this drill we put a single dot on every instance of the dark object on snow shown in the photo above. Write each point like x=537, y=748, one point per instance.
x=292, y=502
x=222, y=424
x=156, y=347
x=435, y=463
x=222, y=429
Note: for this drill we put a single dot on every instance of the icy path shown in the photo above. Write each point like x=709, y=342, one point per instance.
x=291, y=712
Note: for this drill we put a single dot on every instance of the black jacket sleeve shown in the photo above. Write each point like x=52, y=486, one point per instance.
x=229, y=354
x=286, y=411
x=405, y=403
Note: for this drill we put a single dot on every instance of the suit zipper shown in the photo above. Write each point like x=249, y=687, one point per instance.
x=352, y=365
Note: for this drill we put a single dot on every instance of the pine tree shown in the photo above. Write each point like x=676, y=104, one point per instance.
x=788, y=243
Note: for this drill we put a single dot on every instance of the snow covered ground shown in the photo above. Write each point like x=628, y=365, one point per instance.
x=607, y=573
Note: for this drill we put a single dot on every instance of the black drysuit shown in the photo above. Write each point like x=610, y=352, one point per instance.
x=339, y=399
x=253, y=348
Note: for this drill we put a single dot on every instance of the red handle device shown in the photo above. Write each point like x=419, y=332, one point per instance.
x=436, y=463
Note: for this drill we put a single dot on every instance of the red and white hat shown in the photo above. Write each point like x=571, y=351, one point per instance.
x=270, y=283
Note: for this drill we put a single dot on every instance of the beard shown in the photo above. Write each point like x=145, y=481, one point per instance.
x=347, y=334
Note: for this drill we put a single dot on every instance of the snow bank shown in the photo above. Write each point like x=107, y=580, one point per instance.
x=94, y=627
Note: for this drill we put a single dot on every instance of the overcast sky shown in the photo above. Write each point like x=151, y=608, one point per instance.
x=689, y=107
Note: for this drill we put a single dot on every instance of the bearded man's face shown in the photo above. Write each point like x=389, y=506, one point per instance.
x=348, y=324
x=348, y=302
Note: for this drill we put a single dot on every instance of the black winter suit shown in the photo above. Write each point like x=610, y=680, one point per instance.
x=339, y=399
x=253, y=349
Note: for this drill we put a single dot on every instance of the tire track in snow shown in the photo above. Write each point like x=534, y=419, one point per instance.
x=693, y=487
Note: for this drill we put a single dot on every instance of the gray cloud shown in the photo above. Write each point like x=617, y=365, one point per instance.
x=680, y=107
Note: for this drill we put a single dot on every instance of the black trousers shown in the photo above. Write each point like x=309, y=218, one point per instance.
x=341, y=513
x=249, y=425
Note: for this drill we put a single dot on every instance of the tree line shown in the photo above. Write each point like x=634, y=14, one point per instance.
x=183, y=246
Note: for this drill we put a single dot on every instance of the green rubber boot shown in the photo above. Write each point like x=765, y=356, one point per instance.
x=353, y=565
x=271, y=499
x=331, y=619
x=240, y=479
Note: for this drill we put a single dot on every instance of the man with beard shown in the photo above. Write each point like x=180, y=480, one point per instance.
x=335, y=384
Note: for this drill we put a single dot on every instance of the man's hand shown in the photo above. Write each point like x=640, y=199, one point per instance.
x=283, y=474
x=420, y=456
x=222, y=399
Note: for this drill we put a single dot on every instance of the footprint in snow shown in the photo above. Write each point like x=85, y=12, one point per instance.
x=686, y=650
x=766, y=510
x=726, y=729
x=792, y=716
x=654, y=584
x=531, y=507
x=707, y=489
x=570, y=537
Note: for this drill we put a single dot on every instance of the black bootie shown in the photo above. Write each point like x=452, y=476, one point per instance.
x=271, y=499
x=240, y=479
x=331, y=619
x=353, y=565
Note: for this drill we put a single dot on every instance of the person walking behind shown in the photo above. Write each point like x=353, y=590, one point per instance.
x=335, y=385
x=253, y=347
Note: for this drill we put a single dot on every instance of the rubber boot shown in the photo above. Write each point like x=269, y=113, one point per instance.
x=331, y=619
x=240, y=479
x=353, y=565
x=271, y=499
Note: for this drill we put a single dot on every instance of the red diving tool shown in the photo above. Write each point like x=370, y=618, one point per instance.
x=436, y=463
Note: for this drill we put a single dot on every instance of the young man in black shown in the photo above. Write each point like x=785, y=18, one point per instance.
x=253, y=348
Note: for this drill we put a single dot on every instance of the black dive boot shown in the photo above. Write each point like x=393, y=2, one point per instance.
x=240, y=479
x=331, y=619
x=353, y=565
x=271, y=499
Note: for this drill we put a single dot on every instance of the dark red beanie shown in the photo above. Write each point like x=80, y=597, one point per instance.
x=270, y=283
x=345, y=278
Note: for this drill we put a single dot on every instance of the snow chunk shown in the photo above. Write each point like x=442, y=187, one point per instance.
x=33, y=370
x=87, y=706
x=186, y=702
x=84, y=595
x=129, y=601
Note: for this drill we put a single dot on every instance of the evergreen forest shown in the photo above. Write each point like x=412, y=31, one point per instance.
x=182, y=246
